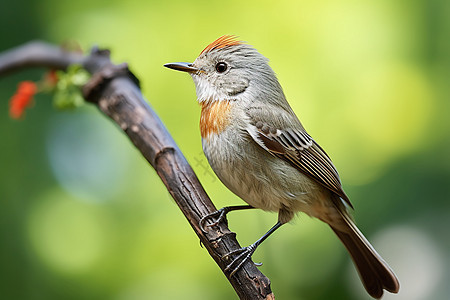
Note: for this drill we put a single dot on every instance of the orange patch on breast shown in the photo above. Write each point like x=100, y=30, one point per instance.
x=215, y=116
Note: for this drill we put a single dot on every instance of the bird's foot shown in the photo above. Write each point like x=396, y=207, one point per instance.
x=216, y=217
x=244, y=254
x=220, y=215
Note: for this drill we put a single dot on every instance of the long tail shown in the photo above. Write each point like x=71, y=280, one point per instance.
x=374, y=272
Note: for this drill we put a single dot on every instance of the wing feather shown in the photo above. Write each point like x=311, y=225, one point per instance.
x=302, y=152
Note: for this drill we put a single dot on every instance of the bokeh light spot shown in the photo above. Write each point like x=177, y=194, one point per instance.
x=67, y=235
x=87, y=156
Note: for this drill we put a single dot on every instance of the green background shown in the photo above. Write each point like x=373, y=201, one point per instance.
x=83, y=216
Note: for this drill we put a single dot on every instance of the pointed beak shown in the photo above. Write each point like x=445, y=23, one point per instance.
x=182, y=66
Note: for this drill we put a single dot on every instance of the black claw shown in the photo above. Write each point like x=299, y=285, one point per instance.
x=221, y=212
x=244, y=255
x=234, y=252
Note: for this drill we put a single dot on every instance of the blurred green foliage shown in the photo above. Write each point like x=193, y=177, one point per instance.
x=67, y=91
x=83, y=216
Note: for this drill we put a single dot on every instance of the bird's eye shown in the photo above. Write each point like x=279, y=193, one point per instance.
x=221, y=67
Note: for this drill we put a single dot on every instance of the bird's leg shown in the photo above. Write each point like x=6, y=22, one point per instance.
x=247, y=252
x=220, y=214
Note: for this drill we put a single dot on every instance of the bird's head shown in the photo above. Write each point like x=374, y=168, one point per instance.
x=229, y=69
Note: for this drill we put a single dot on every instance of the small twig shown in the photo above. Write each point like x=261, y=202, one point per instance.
x=114, y=89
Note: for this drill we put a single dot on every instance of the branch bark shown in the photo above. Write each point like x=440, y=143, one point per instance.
x=115, y=90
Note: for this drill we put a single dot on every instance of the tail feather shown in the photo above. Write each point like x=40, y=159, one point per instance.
x=374, y=272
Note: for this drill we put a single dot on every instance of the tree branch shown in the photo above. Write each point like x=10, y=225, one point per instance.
x=115, y=90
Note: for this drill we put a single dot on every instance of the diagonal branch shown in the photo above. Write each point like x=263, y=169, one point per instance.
x=115, y=90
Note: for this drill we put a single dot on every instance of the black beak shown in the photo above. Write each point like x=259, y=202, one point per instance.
x=182, y=66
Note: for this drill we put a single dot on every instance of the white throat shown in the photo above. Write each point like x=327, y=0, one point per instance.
x=206, y=92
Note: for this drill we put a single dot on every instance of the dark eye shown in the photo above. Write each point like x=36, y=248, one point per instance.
x=221, y=67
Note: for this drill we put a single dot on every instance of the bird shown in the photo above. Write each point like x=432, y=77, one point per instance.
x=260, y=151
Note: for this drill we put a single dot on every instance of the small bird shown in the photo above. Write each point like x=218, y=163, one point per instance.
x=258, y=148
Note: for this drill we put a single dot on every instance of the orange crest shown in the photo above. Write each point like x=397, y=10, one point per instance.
x=222, y=42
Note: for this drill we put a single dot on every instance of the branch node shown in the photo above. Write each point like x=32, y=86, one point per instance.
x=95, y=50
x=159, y=154
x=99, y=80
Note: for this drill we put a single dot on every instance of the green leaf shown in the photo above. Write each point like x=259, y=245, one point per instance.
x=67, y=94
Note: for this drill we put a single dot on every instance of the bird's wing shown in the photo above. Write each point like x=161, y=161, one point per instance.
x=300, y=150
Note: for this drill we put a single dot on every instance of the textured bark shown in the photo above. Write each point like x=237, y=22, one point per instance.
x=115, y=90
